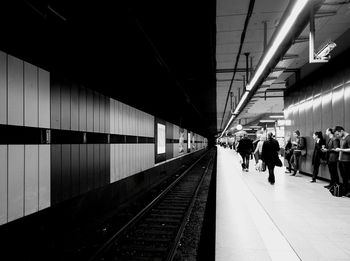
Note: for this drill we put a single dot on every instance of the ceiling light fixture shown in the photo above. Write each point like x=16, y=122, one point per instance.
x=277, y=116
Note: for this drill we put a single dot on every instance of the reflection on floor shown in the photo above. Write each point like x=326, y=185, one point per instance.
x=291, y=220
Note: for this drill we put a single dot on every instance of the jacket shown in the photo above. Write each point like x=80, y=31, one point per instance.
x=317, y=154
x=245, y=146
x=301, y=146
x=332, y=156
x=270, y=151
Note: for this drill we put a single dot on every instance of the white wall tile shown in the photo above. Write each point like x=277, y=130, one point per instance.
x=3, y=88
x=31, y=179
x=15, y=181
x=15, y=91
x=44, y=176
x=3, y=184
x=44, y=98
x=30, y=95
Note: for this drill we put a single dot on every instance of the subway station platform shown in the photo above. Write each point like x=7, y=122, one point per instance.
x=291, y=220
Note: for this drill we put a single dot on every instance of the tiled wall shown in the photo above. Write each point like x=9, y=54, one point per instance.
x=24, y=168
x=87, y=140
x=130, y=158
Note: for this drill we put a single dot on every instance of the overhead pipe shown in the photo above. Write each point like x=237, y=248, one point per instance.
x=246, y=22
x=298, y=27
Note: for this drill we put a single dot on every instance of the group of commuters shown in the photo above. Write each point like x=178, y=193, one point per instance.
x=265, y=150
x=335, y=153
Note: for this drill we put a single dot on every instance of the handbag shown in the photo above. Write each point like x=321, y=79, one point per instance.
x=278, y=162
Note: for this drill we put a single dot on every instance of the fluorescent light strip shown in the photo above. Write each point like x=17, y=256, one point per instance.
x=298, y=7
x=241, y=101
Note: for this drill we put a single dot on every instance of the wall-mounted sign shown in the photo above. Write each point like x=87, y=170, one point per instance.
x=160, y=138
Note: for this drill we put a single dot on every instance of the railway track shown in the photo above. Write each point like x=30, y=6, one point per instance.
x=154, y=233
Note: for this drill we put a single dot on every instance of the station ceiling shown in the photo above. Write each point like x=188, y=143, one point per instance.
x=331, y=23
x=158, y=56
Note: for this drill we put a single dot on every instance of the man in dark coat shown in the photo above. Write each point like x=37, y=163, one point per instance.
x=245, y=149
x=270, y=155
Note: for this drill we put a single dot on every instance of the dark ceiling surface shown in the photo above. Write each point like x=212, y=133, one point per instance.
x=158, y=56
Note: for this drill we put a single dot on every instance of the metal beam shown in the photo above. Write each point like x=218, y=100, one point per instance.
x=289, y=56
x=230, y=70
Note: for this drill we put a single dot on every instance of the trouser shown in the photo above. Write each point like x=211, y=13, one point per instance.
x=245, y=157
x=294, y=161
x=315, y=171
x=333, y=171
x=271, y=168
x=344, y=168
x=289, y=167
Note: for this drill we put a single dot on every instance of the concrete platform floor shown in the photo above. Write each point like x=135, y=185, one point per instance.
x=291, y=220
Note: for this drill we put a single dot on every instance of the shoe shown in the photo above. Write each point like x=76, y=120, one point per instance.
x=246, y=170
x=292, y=174
x=287, y=171
x=312, y=181
x=328, y=186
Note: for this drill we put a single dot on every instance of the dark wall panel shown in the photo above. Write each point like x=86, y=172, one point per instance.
x=338, y=106
x=89, y=110
x=96, y=168
x=65, y=107
x=66, y=172
x=96, y=112
x=55, y=105
x=75, y=169
x=102, y=113
x=56, y=173
x=317, y=113
x=83, y=175
x=103, y=172
x=108, y=164
x=327, y=117
x=74, y=108
x=82, y=109
x=169, y=137
x=90, y=166
x=347, y=104
x=107, y=115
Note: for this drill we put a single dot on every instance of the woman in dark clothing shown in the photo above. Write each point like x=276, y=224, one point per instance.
x=270, y=155
x=317, y=154
x=288, y=154
x=332, y=157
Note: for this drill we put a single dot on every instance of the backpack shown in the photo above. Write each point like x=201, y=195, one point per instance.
x=336, y=190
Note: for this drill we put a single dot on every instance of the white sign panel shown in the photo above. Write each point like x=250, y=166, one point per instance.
x=160, y=138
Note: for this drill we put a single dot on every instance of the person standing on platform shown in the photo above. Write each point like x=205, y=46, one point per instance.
x=299, y=149
x=269, y=155
x=344, y=156
x=245, y=149
x=288, y=154
x=317, y=154
x=332, y=157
